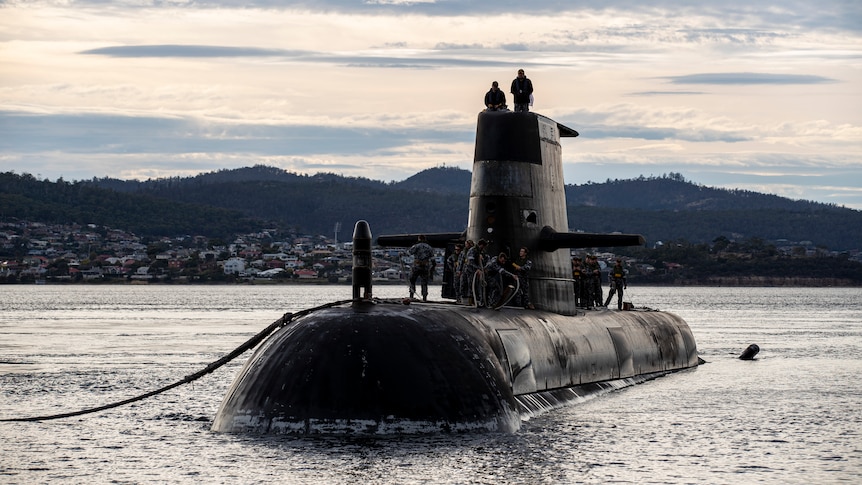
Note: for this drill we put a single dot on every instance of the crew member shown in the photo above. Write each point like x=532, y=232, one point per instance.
x=461, y=273
x=578, y=276
x=594, y=282
x=618, y=284
x=474, y=272
x=422, y=254
x=522, y=266
x=452, y=271
x=522, y=89
x=495, y=99
x=498, y=278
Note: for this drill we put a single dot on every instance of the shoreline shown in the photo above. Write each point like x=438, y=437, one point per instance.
x=717, y=282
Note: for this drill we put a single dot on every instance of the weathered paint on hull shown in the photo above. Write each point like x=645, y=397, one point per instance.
x=428, y=367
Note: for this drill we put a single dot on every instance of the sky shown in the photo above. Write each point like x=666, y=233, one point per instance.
x=763, y=96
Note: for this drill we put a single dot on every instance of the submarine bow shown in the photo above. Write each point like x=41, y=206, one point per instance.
x=376, y=368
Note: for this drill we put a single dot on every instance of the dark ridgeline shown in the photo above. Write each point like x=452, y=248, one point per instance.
x=229, y=202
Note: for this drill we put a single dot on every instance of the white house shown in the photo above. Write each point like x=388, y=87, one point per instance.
x=391, y=274
x=234, y=266
x=270, y=273
x=142, y=273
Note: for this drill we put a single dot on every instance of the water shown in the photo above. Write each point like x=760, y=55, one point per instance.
x=794, y=415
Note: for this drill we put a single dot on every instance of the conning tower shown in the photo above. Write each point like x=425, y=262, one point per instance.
x=517, y=190
x=518, y=198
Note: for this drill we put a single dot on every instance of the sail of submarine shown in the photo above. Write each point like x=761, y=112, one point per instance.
x=376, y=366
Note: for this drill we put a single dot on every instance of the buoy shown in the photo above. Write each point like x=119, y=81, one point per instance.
x=750, y=352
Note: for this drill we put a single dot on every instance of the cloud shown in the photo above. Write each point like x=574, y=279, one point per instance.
x=666, y=93
x=748, y=78
x=406, y=61
x=799, y=13
x=191, y=51
x=112, y=133
x=661, y=133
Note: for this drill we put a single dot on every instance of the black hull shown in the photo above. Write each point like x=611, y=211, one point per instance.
x=429, y=367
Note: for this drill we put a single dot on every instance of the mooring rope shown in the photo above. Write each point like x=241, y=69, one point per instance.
x=511, y=295
x=249, y=344
x=479, y=276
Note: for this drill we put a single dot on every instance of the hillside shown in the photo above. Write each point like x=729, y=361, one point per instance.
x=434, y=200
x=449, y=180
x=23, y=197
x=674, y=193
x=671, y=208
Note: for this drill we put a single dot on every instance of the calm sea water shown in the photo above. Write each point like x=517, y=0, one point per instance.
x=794, y=415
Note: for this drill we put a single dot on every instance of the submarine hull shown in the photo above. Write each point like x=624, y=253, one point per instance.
x=429, y=367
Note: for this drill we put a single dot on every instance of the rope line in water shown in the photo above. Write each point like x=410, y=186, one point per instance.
x=249, y=344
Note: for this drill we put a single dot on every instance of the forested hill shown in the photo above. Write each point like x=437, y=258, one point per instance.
x=664, y=208
x=670, y=208
x=673, y=193
x=434, y=180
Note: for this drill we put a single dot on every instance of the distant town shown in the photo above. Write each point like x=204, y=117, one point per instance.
x=33, y=252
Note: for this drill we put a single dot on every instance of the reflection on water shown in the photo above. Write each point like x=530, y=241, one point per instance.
x=792, y=415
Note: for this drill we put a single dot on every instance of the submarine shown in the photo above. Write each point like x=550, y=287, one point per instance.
x=376, y=366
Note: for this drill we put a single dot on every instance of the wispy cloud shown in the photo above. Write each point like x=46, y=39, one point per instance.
x=666, y=93
x=367, y=59
x=748, y=78
x=88, y=133
x=192, y=51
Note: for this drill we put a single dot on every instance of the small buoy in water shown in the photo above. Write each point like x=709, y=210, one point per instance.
x=750, y=352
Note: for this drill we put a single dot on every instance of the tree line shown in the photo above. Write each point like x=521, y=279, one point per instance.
x=229, y=202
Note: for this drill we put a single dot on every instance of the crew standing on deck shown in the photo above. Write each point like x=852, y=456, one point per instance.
x=422, y=254
x=474, y=272
x=522, y=266
x=498, y=279
x=618, y=284
x=594, y=282
x=461, y=272
x=578, y=276
x=522, y=89
x=452, y=271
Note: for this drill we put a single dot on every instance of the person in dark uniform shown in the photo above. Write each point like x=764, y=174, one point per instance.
x=497, y=278
x=618, y=284
x=495, y=99
x=594, y=282
x=578, y=276
x=521, y=90
x=461, y=273
x=422, y=253
x=475, y=272
x=522, y=266
x=452, y=271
